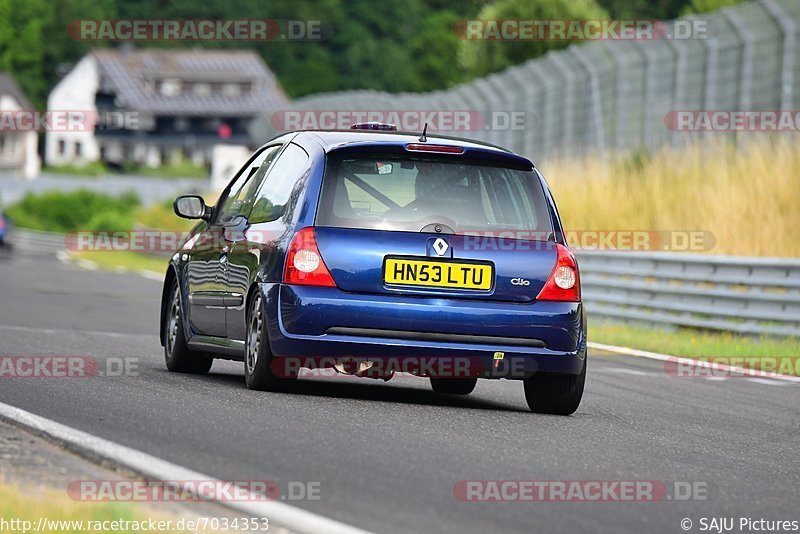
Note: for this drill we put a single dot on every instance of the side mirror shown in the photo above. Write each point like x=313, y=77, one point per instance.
x=190, y=207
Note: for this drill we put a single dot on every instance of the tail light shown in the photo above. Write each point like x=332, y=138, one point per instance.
x=304, y=264
x=382, y=126
x=564, y=282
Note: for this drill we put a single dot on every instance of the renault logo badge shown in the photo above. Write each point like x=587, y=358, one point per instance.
x=440, y=246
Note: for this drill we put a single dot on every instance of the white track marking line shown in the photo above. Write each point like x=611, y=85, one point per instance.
x=690, y=361
x=67, y=259
x=69, y=331
x=87, y=264
x=624, y=371
x=766, y=381
x=151, y=275
x=155, y=468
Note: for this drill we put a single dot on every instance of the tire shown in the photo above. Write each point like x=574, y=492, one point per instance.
x=258, y=359
x=555, y=394
x=453, y=386
x=178, y=357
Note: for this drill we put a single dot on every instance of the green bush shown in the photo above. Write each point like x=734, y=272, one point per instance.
x=94, y=168
x=109, y=221
x=181, y=169
x=58, y=211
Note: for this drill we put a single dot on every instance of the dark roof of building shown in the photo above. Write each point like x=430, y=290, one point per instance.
x=131, y=75
x=8, y=86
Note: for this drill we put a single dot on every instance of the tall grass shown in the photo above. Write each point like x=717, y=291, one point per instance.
x=60, y=514
x=748, y=196
x=56, y=506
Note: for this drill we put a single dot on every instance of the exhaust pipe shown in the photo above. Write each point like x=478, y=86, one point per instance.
x=353, y=366
x=362, y=368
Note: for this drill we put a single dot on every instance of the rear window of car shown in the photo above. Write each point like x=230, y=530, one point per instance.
x=407, y=194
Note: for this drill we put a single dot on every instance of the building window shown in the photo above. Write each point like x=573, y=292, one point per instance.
x=201, y=89
x=8, y=145
x=170, y=87
x=62, y=147
x=77, y=149
x=231, y=89
x=181, y=124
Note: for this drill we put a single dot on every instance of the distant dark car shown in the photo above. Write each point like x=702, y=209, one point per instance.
x=373, y=252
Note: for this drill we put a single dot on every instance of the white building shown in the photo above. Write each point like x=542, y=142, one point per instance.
x=155, y=106
x=18, y=148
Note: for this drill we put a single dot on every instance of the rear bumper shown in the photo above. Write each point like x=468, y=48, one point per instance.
x=317, y=326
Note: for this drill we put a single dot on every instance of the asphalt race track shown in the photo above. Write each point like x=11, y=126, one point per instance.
x=387, y=456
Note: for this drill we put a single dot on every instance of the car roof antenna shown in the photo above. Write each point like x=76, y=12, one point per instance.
x=422, y=138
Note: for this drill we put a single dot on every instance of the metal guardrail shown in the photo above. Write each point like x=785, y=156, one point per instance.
x=754, y=296
x=36, y=241
x=611, y=96
x=758, y=296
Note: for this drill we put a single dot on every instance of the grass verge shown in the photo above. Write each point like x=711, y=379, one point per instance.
x=758, y=352
x=97, y=169
x=123, y=259
x=65, y=515
x=94, y=169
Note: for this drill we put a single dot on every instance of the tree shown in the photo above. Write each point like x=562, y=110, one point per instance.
x=434, y=52
x=480, y=57
x=22, y=45
x=391, y=45
x=703, y=6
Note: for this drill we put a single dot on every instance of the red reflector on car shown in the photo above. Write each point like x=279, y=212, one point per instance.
x=304, y=263
x=564, y=283
x=440, y=149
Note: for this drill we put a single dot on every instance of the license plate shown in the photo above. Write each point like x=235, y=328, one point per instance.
x=408, y=272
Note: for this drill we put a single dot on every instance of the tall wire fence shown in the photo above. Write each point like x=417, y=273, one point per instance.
x=615, y=96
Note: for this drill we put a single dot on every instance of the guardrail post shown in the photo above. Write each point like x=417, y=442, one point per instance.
x=596, y=104
x=789, y=29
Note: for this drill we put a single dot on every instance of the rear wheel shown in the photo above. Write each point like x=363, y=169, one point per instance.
x=555, y=394
x=453, y=386
x=258, y=360
x=178, y=357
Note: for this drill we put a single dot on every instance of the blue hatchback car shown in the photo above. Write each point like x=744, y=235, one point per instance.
x=376, y=252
